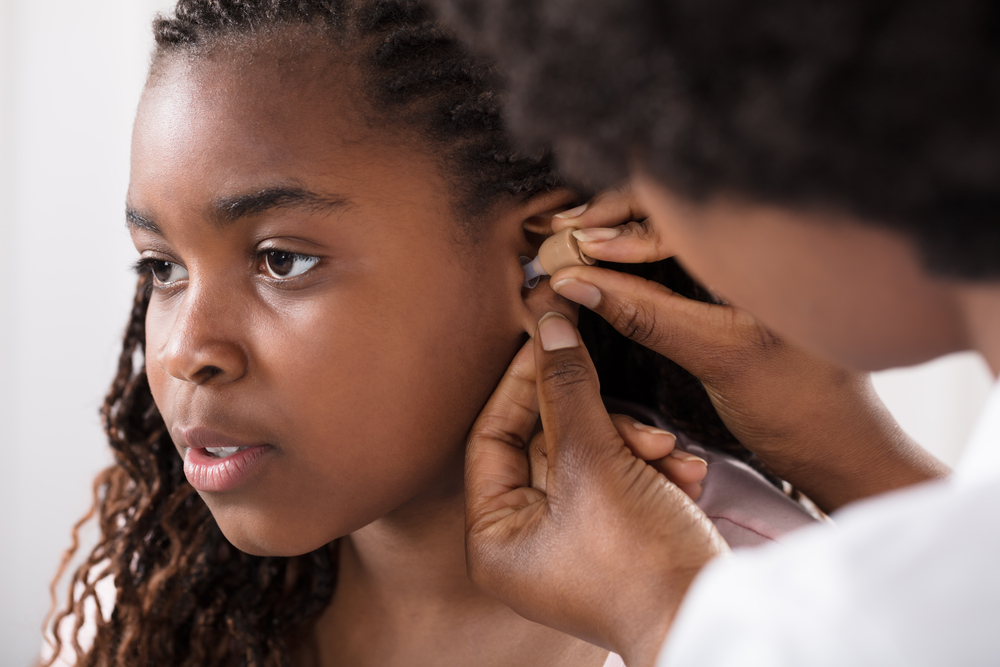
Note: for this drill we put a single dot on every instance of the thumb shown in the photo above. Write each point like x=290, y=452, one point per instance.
x=701, y=337
x=579, y=433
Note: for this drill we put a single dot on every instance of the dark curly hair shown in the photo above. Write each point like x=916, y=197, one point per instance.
x=184, y=595
x=887, y=110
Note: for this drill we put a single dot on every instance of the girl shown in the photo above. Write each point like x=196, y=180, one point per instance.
x=329, y=217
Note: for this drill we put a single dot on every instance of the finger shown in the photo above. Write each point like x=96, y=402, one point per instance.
x=496, y=463
x=682, y=468
x=632, y=243
x=656, y=447
x=609, y=208
x=693, y=491
x=646, y=442
x=579, y=435
x=701, y=337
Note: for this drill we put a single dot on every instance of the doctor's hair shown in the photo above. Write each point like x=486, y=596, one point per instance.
x=184, y=596
x=885, y=110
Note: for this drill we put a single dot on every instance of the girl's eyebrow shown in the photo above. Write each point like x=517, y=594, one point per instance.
x=137, y=220
x=227, y=210
x=231, y=209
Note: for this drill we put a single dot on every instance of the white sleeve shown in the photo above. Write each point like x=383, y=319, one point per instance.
x=910, y=578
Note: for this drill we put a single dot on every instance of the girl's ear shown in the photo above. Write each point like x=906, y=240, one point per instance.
x=535, y=225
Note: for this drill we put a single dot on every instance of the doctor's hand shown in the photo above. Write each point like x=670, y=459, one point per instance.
x=818, y=425
x=566, y=525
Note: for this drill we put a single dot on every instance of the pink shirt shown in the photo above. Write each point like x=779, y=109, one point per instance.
x=747, y=510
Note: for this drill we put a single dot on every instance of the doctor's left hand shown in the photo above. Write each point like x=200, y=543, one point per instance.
x=567, y=526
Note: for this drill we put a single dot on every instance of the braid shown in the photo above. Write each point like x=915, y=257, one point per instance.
x=185, y=596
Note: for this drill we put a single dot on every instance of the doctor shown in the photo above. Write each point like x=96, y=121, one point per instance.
x=832, y=168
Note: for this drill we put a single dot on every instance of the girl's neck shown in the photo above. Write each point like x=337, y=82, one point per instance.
x=403, y=598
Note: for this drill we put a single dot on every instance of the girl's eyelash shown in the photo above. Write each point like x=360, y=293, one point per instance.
x=142, y=266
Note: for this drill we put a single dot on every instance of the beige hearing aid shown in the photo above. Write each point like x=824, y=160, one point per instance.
x=556, y=252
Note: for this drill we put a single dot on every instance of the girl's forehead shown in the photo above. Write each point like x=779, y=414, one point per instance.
x=322, y=78
x=258, y=111
x=211, y=127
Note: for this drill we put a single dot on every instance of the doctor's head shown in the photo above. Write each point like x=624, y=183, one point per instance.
x=832, y=166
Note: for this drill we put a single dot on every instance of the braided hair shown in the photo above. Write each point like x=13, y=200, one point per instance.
x=185, y=596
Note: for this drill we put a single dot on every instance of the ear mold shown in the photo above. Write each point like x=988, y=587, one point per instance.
x=556, y=252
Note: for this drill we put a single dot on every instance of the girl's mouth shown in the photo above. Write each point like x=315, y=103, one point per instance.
x=215, y=462
x=219, y=469
x=223, y=452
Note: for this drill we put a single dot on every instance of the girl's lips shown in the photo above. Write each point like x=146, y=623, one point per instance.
x=209, y=473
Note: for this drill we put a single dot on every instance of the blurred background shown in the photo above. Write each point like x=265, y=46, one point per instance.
x=70, y=77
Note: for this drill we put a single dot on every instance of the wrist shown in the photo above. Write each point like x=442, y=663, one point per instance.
x=642, y=641
x=863, y=457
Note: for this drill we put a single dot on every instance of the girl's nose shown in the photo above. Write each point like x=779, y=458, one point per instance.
x=204, y=344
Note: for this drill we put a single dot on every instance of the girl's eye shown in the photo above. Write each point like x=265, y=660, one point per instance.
x=283, y=265
x=167, y=272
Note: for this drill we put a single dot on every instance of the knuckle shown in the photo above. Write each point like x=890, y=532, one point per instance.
x=767, y=339
x=603, y=196
x=565, y=374
x=758, y=342
x=498, y=428
x=636, y=320
x=754, y=346
x=620, y=194
x=643, y=229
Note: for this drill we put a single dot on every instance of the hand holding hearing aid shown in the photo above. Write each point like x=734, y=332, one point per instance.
x=814, y=423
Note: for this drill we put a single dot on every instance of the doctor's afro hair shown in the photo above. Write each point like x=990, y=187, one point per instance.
x=887, y=110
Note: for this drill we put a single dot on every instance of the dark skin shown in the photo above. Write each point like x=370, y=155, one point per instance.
x=365, y=369
x=815, y=422
x=361, y=361
x=837, y=287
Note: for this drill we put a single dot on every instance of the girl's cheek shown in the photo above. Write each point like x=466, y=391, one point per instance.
x=157, y=384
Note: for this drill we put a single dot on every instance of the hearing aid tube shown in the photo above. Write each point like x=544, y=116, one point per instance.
x=556, y=252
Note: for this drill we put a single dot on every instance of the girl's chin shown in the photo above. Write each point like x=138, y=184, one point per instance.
x=257, y=538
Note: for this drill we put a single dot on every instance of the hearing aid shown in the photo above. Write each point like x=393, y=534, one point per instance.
x=556, y=252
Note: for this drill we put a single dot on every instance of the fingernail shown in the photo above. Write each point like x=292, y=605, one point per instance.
x=572, y=213
x=596, y=234
x=686, y=458
x=556, y=332
x=652, y=429
x=584, y=294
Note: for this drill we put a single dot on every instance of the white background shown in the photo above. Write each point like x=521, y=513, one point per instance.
x=70, y=77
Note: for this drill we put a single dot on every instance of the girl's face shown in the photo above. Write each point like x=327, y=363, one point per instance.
x=314, y=299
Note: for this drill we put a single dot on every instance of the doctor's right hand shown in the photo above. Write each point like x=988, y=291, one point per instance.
x=817, y=424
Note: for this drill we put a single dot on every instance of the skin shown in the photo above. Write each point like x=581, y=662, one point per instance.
x=832, y=306
x=817, y=284
x=364, y=373
x=815, y=422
